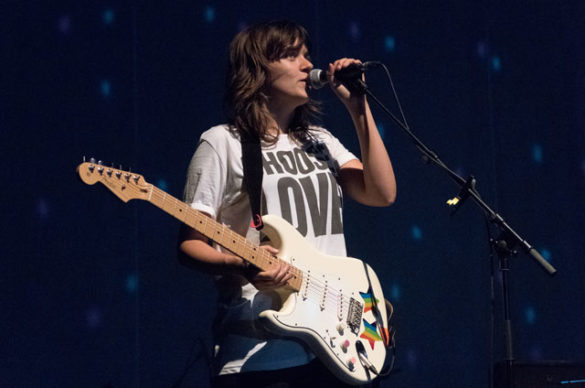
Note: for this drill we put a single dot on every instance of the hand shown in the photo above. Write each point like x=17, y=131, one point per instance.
x=348, y=98
x=275, y=277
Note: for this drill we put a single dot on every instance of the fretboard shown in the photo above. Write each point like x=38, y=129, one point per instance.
x=220, y=234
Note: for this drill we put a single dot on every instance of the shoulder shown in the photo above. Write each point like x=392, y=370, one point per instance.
x=220, y=133
x=322, y=135
x=325, y=139
x=221, y=138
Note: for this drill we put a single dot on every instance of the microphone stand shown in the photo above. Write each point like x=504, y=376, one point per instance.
x=503, y=245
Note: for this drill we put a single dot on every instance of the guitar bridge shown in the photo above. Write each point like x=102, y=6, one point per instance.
x=354, y=315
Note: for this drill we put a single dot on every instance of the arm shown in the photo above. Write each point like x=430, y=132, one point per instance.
x=370, y=182
x=195, y=251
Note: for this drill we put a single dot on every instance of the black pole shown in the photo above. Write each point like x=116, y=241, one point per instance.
x=505, y=243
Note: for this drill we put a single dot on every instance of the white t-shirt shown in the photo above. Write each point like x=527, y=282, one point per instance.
x=299, y=184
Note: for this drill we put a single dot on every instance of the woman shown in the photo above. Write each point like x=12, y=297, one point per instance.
x=305, y=171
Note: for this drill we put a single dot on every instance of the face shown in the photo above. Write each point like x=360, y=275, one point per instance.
x=289, y=77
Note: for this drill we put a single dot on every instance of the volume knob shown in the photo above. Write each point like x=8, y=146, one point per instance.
x=344, y=346
x=351, y=363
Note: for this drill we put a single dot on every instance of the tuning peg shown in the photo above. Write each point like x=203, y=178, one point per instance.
x=100, y=162
x=91, y=160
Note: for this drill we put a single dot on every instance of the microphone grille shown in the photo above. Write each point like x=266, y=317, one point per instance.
x=317, y=78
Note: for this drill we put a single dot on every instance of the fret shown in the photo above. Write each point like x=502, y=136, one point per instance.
x=200, y=222
x=129, y=186
x=204, y=227
x=181, y=210
x=220, y=234
x=251, y=253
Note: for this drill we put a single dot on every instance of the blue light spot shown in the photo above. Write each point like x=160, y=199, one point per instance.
x=354, y=31
x=105, y=88
x=242, y=25
x=537, y=153
x=382, y=131
x=108, y=16
x=411, y=358
x=535, y=353
x=460, y=171
x=496, y=63
x=93, y=317
x=546, y=254
x=482, y=49
x=389, y=43
x=42, y=208
x=64, y=24
x=209, y=14
x=132, y=283
x=395, y=292
x=530, y=315
x=162, y=184
x=416, y=233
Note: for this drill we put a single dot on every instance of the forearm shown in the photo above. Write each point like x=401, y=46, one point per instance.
x=195, y=251
x=379, y=184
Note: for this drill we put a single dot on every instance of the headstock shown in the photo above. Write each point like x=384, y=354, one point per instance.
x=126, y=185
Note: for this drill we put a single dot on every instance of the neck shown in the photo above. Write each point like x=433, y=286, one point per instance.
x=281, y=116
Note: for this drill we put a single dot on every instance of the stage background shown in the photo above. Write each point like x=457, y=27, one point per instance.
x=92, y=294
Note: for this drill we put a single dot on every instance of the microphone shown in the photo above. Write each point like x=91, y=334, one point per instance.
x=318, y=77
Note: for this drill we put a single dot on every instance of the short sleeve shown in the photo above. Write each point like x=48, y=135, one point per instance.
x=336, y=150
x=206, y=180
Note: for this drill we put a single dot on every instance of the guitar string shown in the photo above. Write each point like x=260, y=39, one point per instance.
x=317, y=285
x=314, y=286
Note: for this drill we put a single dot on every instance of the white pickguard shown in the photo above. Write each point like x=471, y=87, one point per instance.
x=316, y=313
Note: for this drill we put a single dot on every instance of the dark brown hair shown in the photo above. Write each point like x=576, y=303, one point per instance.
x=247, y=80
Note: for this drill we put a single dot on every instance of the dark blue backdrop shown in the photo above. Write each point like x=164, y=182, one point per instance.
x=91, y=291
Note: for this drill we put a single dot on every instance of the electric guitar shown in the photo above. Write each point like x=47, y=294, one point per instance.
x=333, y=304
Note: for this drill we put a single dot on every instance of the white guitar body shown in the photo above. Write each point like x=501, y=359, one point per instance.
x=328, y=312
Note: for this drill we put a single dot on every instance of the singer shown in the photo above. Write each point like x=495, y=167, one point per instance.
x=305, y=172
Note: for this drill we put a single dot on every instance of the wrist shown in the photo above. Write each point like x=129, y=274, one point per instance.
x=234, y=264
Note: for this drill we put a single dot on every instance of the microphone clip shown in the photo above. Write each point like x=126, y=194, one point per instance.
x=456, y=202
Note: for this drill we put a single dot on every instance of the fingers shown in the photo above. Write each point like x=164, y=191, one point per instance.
x=342, y=92
x=340, y=64
x=277, y=276
x=343, y=63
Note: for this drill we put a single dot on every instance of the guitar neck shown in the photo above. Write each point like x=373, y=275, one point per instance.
x=220, y=234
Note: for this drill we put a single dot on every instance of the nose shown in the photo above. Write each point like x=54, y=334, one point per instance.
x=306, y=64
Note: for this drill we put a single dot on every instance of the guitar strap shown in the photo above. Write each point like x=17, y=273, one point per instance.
x=252, y=182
